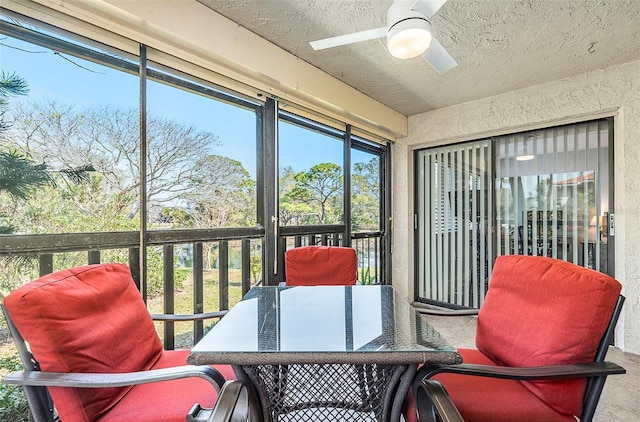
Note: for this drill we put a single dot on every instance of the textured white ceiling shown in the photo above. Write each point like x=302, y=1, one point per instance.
x=500, y=45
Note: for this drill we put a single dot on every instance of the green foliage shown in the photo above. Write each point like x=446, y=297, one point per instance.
x=13, y=404
x=365, y=196
x=19, y=175
x=16, y=271
x=256, y=267
x=366, y=276
x=175, y=217
x=316, y=192
x=11, y=85
x=223, y=193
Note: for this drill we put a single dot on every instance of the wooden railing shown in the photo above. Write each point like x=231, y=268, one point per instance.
x=46, y=247
x=50, y=251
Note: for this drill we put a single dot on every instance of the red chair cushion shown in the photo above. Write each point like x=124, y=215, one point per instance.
x=544, y=311
x=86, y=319
x=167, y=401
x=321, y=265
x=482, y=399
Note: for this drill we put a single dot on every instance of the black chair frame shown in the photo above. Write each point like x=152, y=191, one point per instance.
x=35, y=382
x=434, y=404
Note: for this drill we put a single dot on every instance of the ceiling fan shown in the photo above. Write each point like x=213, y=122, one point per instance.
x=408, y=33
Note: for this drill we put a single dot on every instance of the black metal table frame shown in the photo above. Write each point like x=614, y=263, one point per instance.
x=358, y=385
x=378, y=395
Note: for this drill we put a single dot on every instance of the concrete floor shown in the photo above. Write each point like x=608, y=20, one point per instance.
x=620, y=400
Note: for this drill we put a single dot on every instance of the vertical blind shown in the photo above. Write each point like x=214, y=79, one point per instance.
x=544, y=193
x=552, y=193
x=452, y=221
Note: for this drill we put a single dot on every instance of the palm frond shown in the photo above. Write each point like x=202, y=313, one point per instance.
x=79, y=174
x=19, y=175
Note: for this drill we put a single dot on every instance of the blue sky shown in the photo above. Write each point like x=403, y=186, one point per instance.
x=72, y=80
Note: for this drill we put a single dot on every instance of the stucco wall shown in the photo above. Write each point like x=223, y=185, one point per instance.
x=614, y=91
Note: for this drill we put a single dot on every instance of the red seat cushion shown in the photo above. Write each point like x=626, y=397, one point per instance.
x=93, y=319
x=167, y=401
x=321, y=265
x=538, y=311
x=544, y=311
x=481, y=399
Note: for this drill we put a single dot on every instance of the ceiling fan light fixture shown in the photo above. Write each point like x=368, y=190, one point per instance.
x=525, y=157
x=409, y=38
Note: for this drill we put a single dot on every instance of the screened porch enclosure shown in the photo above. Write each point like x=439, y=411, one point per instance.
x=545, y=193
x=199, y=188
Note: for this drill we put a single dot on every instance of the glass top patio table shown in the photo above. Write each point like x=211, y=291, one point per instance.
x=323, y=324
x=325, y=353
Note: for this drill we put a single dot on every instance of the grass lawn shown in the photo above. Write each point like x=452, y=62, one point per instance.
x=183, y=303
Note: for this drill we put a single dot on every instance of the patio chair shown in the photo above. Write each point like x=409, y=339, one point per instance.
x=542, y=335
x=92, y=352
x=321, y=265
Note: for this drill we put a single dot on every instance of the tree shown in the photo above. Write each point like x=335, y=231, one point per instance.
x=291, y=211
x=317, y=187
x=10, y=85
x=365, y=197
x=223, y=195
x=19, y=175
x=108, y=138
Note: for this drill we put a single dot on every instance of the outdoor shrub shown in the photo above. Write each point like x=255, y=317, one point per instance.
x=13, y=404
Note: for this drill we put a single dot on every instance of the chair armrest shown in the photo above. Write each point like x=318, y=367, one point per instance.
x=101, y=380
x=443, y=312
x=432, y=399
x=233, y=404
x=434, y=404
x=577, y=370
x=191, y=317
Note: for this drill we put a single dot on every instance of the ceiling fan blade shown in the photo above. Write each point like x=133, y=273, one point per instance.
x=428, y=7
x=349, y=38
x=439, y=58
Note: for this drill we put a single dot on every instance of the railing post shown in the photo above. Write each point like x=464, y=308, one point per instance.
x=46, y=264
x=246, y=265
x=169, y=288
x=223, y=271
x=93, y=257
x=134, y=265
x=282, y=251
x=198, y=290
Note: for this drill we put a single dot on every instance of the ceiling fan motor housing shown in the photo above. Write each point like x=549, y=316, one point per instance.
x=408, y=31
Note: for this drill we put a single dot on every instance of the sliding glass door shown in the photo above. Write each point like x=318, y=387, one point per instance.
x=545, y=193
x=453, y=217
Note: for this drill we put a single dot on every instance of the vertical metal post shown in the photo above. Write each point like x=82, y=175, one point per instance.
x=346, y=186
x=611, y=238
x=386, y=207
x=269, y=158
x=143, y=171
